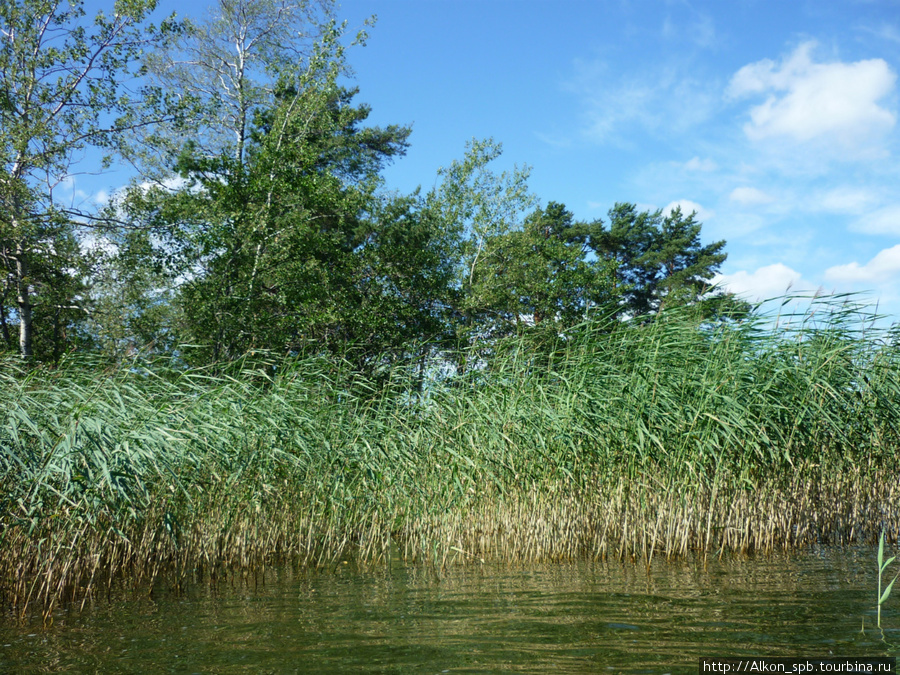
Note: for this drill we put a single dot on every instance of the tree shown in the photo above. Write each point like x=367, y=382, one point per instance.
x=221, y=73
x=565, y=283
x=660, y=260
x=295, y=250
x=133, y=307
x=541, y=273
x=60, y=91
x=228, y=66
x=479, y=209
x=406, y=276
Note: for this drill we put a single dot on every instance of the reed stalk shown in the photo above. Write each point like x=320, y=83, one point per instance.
x=627, y=440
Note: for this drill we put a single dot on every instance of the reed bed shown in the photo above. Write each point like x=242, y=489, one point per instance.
x=638, y=441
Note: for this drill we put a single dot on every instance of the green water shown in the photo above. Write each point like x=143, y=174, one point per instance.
x=569, y=618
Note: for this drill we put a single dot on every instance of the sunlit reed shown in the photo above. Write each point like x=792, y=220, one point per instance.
x=633, y=441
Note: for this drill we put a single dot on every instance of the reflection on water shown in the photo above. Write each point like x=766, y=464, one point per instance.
x=572, y=618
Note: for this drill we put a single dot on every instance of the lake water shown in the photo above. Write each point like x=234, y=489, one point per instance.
x=568, y=618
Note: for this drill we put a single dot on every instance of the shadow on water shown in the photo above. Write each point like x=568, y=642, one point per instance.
x=566, y=618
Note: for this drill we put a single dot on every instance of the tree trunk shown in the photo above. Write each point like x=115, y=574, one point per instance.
x=23, y=301
x=23, y=293
x=4, y=326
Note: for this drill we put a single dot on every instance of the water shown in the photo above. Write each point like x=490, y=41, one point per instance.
x=568, y=618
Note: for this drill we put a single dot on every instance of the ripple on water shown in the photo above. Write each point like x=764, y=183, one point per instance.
x=567, y=618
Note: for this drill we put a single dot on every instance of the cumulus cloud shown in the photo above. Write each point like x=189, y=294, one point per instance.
x=749, y=196
x=687, y=208
x=806, y=100
x=766, y=282
x=881, y=268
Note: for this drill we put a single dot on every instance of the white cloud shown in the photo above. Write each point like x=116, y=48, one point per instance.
x=631, y=102
x=882, y=221
x=651, y=100
x=66, y=190
x=94, y=242
x=697, y=164
x=885, y=31
x=805, y=100
x=170, y=183
x=845, y=200
x=749, y=196
x=688, y=207
x=766, y=282
x=881, y=268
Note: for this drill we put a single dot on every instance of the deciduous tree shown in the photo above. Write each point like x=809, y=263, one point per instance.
x=296, y=249
x=542, y=273
x=61, y=91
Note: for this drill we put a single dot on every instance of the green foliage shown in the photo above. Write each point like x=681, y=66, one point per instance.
x=304, y=457
x=278, y=235
x=292, y=256
x=479, y=209
x=260, y=222
x=133, y=307
x=659, y=260
x=541, y=274
x=60, y=91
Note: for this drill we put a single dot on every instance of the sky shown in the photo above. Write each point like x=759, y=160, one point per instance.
x=777, y=122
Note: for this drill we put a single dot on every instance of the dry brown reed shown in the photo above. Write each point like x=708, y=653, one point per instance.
x=636, y=521
x=624, y=520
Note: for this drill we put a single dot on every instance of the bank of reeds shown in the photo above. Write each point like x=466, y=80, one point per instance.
x=628, y=440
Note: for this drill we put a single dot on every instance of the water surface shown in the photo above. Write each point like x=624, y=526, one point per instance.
x=568, y=618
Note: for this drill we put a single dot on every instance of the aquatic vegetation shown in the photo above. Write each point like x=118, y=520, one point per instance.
x=616, y=440
x=882, y=566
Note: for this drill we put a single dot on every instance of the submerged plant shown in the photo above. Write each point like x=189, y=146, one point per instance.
x=882, y=566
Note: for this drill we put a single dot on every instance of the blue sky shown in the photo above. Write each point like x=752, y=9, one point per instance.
x=776, y=121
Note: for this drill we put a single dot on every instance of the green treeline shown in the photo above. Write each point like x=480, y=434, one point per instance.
x=257, y=353
x=259, y=220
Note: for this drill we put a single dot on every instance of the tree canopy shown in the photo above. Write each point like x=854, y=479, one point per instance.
x=260, y=219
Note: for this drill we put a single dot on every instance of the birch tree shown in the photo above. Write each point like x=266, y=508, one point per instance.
x=63, y=88
x=479, y=208
x=228, y=65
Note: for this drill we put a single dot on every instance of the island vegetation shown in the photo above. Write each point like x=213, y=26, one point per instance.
x=257, y=353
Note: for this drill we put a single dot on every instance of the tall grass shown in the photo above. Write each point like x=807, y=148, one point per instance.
x=628, y=440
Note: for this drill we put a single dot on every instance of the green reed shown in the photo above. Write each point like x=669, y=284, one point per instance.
x=619, y=439
x=882, y=567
